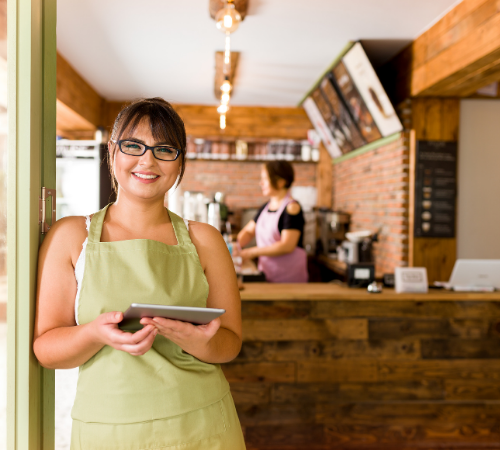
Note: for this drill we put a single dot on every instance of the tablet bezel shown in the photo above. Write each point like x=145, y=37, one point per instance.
x=191, y=314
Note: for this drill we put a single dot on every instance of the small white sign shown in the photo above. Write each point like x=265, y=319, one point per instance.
x=411, y=279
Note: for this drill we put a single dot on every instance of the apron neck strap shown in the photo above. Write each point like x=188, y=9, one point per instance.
x=286, y=200
x=95, y=229
x=180, y=229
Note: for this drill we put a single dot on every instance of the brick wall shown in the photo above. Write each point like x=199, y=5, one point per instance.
x=239, y=180
x=373, y=188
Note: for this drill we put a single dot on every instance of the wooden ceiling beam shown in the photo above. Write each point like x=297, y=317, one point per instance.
x=78, y=102
x=219, y=71
x=240, y=5
x=242, y=121
x=455, y=57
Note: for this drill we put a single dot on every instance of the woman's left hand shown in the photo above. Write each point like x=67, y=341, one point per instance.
x=191, y=338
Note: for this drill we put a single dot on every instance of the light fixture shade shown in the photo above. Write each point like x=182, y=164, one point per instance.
x=222, y=122
x=228, y=19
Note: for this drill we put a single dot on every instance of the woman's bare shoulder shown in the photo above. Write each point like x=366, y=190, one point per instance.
x=207, y=240
x=204, y=233
x=66, y=237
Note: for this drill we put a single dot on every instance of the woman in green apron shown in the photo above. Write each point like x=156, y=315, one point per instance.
x=160, y=387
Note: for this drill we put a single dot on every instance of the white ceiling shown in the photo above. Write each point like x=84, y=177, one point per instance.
x=129, y=48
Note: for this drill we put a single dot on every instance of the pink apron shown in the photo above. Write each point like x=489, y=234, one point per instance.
x=289, y=268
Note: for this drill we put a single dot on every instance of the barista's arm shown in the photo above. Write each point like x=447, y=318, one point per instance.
x=246, y=234
x=287, y=243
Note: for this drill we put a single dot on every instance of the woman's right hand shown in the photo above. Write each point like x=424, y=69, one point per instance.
x=106, y=331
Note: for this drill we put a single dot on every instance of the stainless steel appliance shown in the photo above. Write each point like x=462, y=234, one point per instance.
x=333, y=226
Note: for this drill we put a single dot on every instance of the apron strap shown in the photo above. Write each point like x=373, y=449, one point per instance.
x=95, y=231
x=96, y=225
x=180, y=229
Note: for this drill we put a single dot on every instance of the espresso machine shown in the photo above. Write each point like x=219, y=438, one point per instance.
x=332, y=228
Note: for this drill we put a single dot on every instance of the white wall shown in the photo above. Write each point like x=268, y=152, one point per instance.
x=478, y=218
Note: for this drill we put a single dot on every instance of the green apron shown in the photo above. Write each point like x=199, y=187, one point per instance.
x=166, y=390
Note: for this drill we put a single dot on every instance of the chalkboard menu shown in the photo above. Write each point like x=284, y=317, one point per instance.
x=435, y=189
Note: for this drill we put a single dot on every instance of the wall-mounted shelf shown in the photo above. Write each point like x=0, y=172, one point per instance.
x=251, y=150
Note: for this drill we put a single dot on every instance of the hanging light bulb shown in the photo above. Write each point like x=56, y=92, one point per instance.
x=226, y=86
x=222, y=122
x=224, y=100
x=228, y=18
x=223, y=109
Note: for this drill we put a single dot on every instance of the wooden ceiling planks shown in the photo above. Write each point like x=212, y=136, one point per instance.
x=240, y=5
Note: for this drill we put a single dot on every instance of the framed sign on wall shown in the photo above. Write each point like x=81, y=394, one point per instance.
x=435, y=189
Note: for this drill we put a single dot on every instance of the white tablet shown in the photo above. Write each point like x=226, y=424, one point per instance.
x=196, y=316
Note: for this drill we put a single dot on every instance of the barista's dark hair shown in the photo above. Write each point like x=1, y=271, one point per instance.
x=166, y=126
x=280, y=169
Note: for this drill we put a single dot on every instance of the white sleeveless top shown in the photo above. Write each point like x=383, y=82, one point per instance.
x=80, y=266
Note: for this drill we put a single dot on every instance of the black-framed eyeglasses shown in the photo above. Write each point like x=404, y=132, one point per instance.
x=161, y=152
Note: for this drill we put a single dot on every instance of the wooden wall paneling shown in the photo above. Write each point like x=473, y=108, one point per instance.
x=329, y=349
x=363, y=370
x=405, y=309
x=285, y=330
x=219, y=71
x=281, y=372
x=412, y=144
x=370, y=391
x=76, y=94
x=435, y=119
x=215, y=5
x=425, y=376
x=324, y=178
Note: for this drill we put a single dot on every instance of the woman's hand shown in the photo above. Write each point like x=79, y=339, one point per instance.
x=193, y=339
x=106, y=331
x=250, y=253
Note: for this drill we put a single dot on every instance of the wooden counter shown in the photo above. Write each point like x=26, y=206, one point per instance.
x=323, y=366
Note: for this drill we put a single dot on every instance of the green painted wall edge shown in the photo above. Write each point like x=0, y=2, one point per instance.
x=31, y=146
x=330, y=67
x=368, y=147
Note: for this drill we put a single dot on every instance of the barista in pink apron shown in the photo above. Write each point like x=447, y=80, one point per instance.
x=279, y=264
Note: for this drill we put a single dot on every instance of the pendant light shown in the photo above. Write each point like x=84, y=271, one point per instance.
x=228, y=18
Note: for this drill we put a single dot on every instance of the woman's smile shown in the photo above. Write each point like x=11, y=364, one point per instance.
x=146, y=177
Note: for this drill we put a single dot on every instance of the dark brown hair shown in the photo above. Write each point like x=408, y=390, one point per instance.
x=166, y=126
x=280, y=169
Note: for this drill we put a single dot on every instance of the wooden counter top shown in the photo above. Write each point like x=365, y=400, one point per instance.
x=332, y=291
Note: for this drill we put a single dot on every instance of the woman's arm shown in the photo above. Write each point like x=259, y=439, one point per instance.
x=246, y=234
x=289, y=240
x=58, y=342
x=220, y=340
